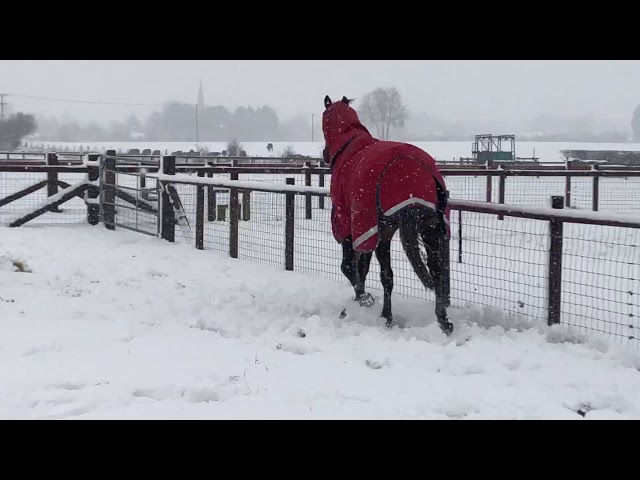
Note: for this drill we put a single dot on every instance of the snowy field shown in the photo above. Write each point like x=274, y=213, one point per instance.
x=546, y=151
x=119, y=325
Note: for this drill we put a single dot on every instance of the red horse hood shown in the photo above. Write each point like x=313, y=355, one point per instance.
x=340, y=123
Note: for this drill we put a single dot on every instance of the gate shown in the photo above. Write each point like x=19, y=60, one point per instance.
x=128, y=199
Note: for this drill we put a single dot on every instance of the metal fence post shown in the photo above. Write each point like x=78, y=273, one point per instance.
x=555, y=265
x=290, y=203
x=168, y=218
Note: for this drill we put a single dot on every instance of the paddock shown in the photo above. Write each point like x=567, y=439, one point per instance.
x=497, y=261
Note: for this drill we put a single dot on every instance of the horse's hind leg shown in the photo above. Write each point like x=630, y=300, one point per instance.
x=383, y=254
x=437, y=246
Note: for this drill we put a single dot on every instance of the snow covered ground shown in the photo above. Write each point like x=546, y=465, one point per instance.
x=120, y=325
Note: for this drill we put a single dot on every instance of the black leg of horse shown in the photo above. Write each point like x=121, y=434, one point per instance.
x=355, y=266
x=348, y=266
x=438, y=264
x=363, y=261
x=383, y=254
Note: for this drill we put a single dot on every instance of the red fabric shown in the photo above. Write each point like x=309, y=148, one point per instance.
x=359, y=164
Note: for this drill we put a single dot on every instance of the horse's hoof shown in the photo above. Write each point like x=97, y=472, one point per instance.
x=446, y=327
x=366, y=300
x=388, y=324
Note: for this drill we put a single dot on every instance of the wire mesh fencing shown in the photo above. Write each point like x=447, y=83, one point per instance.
x=601, y=280
x=619, y=194
x=24, y=192
x=499, y=263
x=128, y=199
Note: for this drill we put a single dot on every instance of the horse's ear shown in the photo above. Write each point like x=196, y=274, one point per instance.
x=327, y=101
x=345, y=100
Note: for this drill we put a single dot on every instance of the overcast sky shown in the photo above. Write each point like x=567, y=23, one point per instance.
x=473, y=90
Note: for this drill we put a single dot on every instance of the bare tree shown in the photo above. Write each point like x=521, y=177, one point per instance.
x=233, y=148
x=383, y=108
x=288, y=152
x=14, y=128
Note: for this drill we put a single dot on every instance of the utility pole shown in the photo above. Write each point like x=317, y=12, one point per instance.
x=2, y=104
x=197, y=133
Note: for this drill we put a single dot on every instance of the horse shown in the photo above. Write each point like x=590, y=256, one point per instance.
x=379, y=187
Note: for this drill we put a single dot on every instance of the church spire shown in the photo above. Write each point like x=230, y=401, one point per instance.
x=200, y=96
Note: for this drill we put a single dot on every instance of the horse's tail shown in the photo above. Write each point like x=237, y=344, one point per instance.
x=419, y=215
x=414, y=220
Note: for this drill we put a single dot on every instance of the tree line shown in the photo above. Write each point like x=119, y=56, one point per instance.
x=382, y=111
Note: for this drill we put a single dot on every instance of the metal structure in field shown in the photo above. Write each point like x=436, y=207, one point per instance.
x=489, y=148
x=497, y=149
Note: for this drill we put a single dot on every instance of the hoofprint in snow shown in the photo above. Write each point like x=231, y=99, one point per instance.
x=100, y=324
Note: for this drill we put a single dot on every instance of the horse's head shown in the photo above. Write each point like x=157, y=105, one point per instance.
x=338, y=119
x=337, y=116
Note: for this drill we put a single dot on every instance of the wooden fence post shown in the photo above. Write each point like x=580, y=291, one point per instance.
x=555, y=265
x=168, y=222
x=459, y=236
x=567, y=185
x=93, y=192
x=211, y=198
x=501, y=188
x=109, y=189
x=321, y=184
x=489, y=167
x=307, y=196
x=290, y=203
x=596, y=189
x=200, y=214
x=445, y=270
x=234, y=210
x=52, y=179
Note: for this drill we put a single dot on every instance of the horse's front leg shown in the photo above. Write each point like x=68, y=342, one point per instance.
x=363, y=261
x=355, y=267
